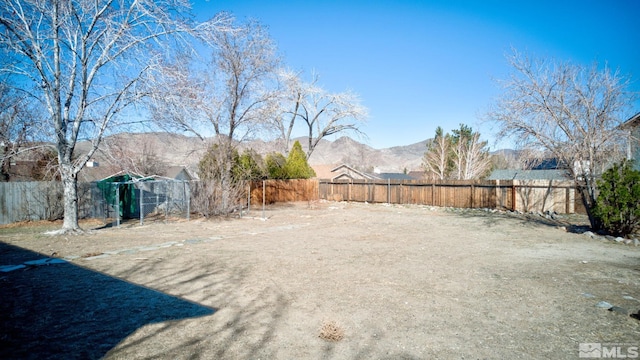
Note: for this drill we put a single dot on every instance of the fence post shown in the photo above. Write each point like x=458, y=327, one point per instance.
x=141, y=206
x=157, y=198
x=433, y=194
x=187, y=196
x=367, y=192
x=513, y=195
x=117, y=200
x=389, y=191
x=497, y=195
x=472, y=188
x=264, y=186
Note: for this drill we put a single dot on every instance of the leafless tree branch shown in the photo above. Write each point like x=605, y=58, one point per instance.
x=569, y=110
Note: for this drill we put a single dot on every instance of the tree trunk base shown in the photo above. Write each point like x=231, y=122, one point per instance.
x=63, y=231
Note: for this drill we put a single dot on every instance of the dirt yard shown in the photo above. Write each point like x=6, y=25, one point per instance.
x=320, y=281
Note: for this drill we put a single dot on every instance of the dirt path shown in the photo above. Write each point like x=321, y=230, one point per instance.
x=398, y=281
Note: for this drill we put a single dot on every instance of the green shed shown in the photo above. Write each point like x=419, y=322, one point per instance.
x=120, y=191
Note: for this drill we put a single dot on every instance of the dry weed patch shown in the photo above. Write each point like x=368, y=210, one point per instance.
x=331, y=331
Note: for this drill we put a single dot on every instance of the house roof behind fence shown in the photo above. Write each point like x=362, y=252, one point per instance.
x=510, y=174
x=178, y=173
x=633, y=122
x=395, y=176
x=347, y=172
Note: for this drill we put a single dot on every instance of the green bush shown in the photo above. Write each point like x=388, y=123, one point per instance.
x=249, y=166
x=275, y=164
x=618, y=203
x=297, y=166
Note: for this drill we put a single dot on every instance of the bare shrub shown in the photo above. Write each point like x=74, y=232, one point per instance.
x=219, y=192
x=215, y=198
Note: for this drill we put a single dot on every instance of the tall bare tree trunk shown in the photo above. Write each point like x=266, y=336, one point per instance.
x=70, y=188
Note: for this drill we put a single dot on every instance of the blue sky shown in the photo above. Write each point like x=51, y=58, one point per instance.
x=421, y=64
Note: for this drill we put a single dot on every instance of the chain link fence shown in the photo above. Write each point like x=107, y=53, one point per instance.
x=141, y=200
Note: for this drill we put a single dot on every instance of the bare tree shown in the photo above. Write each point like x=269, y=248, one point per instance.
x=476, y=159
x=14, y=126
x=84, y=60
x=469, y=155
x=571, y=111
x=21, y=130
x=461, y=156
x=136, y=156
x=293, y=92
x=323, y=113
x=230, y=93
x=437, y=158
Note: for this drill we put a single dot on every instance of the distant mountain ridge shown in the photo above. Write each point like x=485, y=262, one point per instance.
x=181, y=150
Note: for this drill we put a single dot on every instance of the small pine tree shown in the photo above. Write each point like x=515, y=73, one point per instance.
x=618, y=203
x=276, y=166
x=296, y=165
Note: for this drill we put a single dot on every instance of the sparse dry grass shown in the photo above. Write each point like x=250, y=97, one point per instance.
x=344, y=280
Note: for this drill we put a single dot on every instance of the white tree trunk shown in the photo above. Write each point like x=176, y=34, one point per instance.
x=70, y=187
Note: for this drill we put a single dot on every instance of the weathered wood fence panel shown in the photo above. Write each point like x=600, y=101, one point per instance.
x=543, y=195
x=21, y=201
x=40, y=200
x=525, y=196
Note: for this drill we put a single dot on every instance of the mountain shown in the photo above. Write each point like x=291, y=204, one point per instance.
x=162, y=150
x=180, y=150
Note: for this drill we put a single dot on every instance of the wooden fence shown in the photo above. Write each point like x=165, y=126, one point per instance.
x=39, y=200
x=272, y=191
x=519, y=195
x=33, y=201
x=525, y=196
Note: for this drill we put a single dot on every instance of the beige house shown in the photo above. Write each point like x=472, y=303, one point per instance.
x=632, y=127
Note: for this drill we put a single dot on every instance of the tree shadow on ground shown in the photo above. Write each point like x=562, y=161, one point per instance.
x=525, y=219
x=63, y=310
x=247, y=319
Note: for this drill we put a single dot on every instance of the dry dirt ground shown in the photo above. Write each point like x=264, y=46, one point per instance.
x=378, y=282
